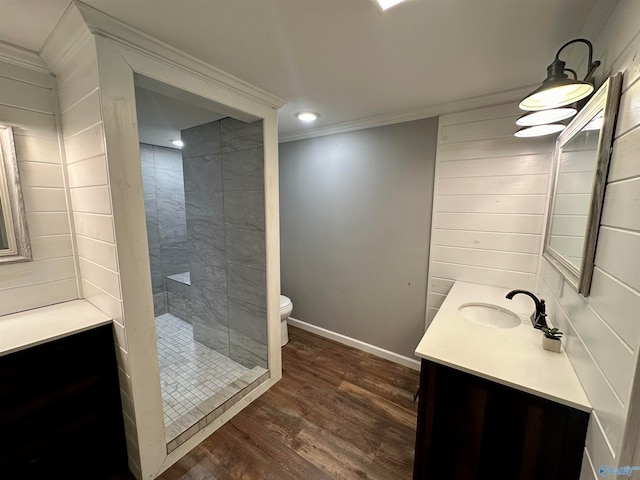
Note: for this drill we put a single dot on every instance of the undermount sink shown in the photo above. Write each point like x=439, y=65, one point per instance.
x=489, y=315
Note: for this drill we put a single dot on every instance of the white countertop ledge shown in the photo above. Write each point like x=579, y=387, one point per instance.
x=22, y=330
x=509, y=356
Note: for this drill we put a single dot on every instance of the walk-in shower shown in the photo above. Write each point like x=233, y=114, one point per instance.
x=204, y=208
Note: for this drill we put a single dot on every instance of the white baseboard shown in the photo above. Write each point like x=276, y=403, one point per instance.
x=352, y=342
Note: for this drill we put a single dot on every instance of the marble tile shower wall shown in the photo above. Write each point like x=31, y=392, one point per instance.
x=164, y=197
x=224, y=196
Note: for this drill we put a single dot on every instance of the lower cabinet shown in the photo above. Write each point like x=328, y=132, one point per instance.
x=60, y=410
x=472, y=428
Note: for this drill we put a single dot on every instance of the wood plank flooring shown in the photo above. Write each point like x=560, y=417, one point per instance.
x=337, y=413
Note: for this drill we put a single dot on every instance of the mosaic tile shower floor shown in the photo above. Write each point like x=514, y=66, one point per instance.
x=192, y=375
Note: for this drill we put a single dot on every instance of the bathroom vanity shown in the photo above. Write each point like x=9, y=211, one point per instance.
x=60, y=410
x=493, y=403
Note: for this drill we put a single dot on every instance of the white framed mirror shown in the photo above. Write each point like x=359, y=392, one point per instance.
x=580, y=166
x=14, y=236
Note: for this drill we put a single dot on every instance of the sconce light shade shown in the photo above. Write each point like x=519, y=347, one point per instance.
x=558, y=89
x=539, y=130
x=558, y=94
x=546, y=116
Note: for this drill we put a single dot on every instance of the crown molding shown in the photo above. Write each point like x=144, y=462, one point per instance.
x=471, y=103
x=22, y=57
x=69, y=36
x=101, y=24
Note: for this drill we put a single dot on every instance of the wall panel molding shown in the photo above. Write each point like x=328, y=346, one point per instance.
x=490, y=200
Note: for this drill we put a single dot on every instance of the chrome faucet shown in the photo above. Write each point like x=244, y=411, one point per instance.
x=539, y=317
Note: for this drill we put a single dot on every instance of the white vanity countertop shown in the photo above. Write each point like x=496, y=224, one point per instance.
x=34, y=327
x=509, y=356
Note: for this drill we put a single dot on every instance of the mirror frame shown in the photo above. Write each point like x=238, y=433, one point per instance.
x=607, y=99
x=12, y=204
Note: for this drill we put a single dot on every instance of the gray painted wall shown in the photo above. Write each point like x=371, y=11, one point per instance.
x=162, y=181
x=355, y=217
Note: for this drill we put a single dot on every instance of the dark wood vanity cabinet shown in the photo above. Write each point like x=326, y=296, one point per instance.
x=60, y=410
x=472, y=428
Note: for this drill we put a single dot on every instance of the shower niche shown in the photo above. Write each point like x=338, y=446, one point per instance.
x=205, y=216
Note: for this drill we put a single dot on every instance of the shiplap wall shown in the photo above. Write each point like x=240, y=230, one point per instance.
x=27, y=104
x=84, y=145
x=489, y=203
x=602, y=332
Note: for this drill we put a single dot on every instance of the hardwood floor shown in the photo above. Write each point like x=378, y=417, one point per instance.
x=337, y=413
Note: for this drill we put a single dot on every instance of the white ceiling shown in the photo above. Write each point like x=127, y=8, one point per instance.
x=161, y=118
x=27, y=23
x=346, y=59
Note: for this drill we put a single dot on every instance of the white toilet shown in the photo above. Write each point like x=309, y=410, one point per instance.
x=286, y=306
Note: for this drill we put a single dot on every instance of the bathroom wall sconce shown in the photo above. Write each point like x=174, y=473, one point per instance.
x=551, y=103
x=558, y=89
x=539, y=130
x=178, y=143
x=546, y=116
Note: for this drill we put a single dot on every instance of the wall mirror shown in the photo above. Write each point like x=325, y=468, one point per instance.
x=14, y=237
x=581, y=164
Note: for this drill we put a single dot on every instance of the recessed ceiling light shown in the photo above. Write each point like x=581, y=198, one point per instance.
x=307, y=116
x=387, y=4
x=178, y=143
